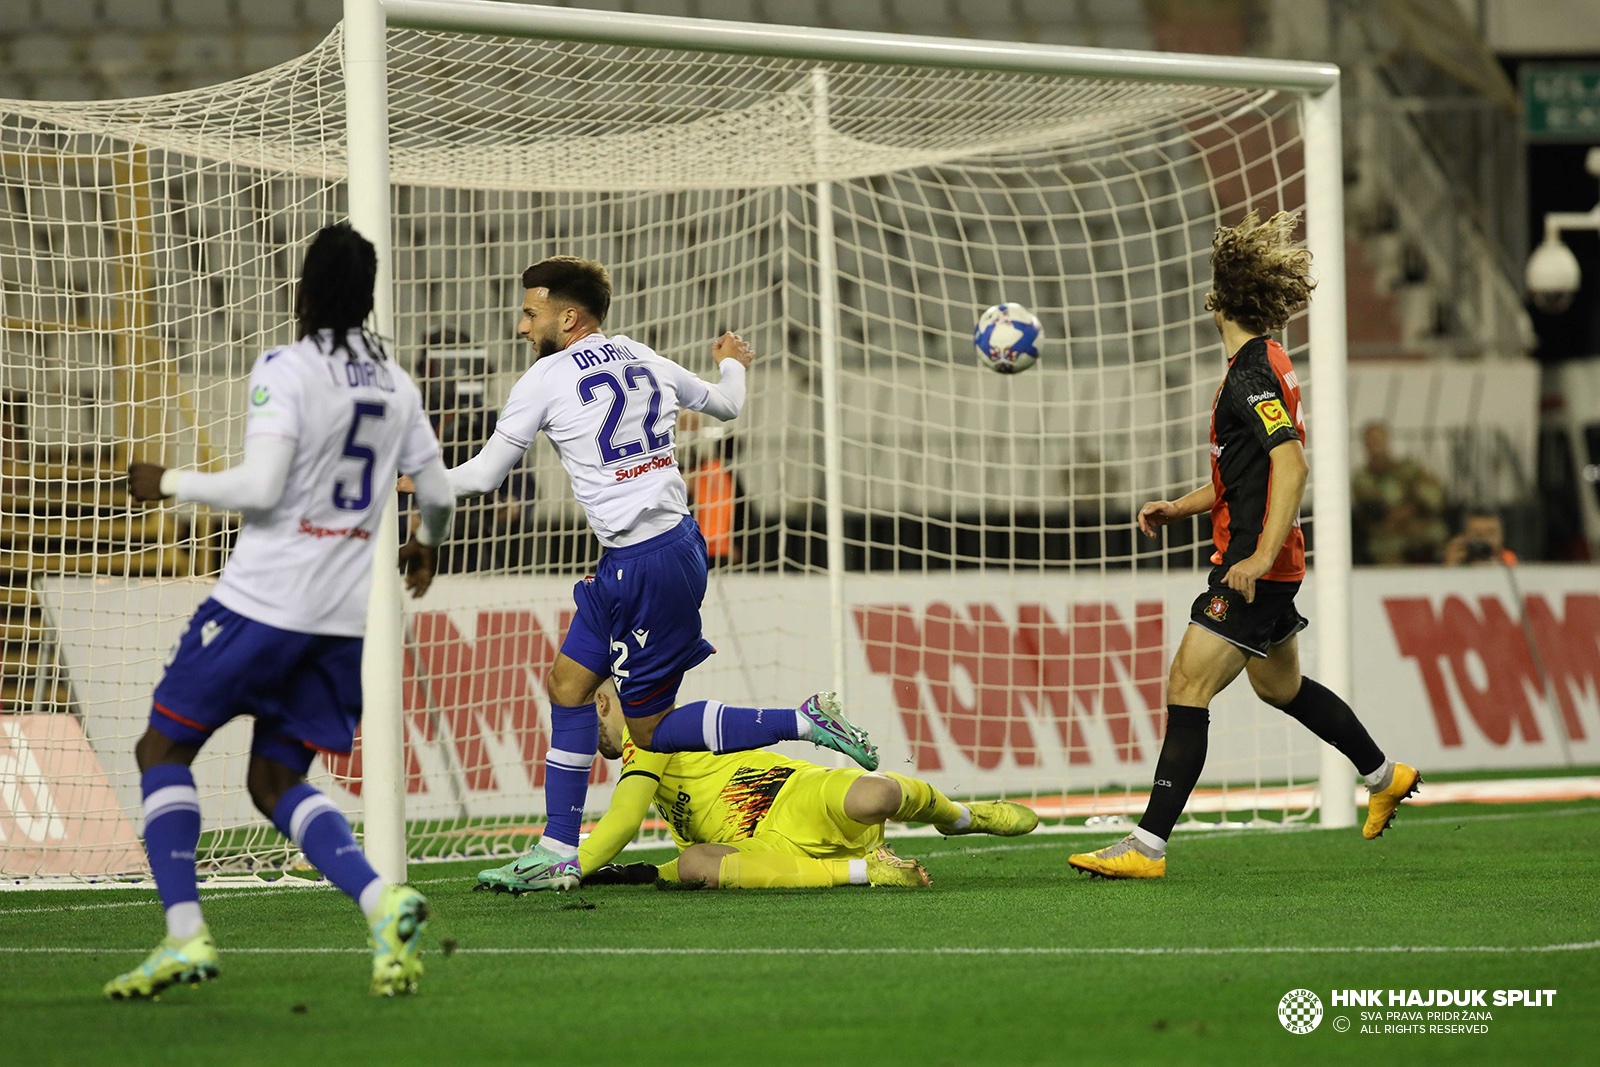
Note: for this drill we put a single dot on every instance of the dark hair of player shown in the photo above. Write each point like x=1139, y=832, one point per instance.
x=1258, y=277
x=570, y=280
x=335, y=291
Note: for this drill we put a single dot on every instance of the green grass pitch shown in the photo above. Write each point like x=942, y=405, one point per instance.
x=1010, y=958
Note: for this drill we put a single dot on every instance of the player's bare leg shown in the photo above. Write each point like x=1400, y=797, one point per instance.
x=702, y=865
x=884, y=796
x=1278, y=681
x=1203, y=667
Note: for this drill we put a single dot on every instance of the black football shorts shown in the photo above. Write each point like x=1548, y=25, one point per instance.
x=1254, y=627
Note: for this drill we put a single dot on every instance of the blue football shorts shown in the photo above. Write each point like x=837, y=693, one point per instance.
x=303, y=689
x=638, y=618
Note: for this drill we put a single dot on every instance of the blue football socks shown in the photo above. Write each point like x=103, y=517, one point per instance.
x=171, y=835
x=574, y=740
x=712, y=726
x=321, y=831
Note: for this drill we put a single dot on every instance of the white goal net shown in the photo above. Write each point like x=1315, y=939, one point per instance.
x=966, y=569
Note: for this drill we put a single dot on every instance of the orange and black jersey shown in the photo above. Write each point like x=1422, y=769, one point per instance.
x=1256, y=409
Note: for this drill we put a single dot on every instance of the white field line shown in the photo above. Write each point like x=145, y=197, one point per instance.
x=1208, y=799
x=301, y=885
x=904, y=950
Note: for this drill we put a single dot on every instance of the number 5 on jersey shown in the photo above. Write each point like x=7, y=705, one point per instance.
x=343, y=499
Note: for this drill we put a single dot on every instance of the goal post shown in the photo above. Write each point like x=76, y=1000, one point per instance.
x=949, y=547
x=1316, y=86
x=1330, y=407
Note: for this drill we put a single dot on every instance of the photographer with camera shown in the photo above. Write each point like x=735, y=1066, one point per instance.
x=1482, y=540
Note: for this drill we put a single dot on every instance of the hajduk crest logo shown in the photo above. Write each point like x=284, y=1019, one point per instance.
x=1300, y=1011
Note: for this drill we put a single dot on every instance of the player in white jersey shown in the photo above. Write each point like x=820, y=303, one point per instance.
x=330, y=420
x=609, y=406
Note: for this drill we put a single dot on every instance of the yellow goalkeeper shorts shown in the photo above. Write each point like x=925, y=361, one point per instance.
x=807, y=819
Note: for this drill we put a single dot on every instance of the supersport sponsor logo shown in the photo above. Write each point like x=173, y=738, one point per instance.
x=658, y=463
x=353, y=533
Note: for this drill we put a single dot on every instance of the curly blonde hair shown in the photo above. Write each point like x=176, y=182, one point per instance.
x=1258, y=277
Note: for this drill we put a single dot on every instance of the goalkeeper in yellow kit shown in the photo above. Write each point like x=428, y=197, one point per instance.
x=758, y=820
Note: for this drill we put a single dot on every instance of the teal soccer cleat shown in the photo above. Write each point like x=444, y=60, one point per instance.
x=830, y=729
x=536, y=869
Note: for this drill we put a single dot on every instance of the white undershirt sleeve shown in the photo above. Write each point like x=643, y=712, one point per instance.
x=435, y=501
x=725, y=399
x=253, y=485
x=485, y=472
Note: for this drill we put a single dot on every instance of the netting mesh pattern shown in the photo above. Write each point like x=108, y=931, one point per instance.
x=1004, y=630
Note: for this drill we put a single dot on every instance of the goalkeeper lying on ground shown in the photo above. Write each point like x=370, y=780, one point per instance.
x=757, y=820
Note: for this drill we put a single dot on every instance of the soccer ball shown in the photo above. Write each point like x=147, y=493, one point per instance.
x=1007, y=338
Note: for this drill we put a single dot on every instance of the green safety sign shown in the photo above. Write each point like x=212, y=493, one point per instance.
x=1561, y=101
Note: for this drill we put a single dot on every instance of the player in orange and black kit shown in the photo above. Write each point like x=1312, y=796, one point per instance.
x=1246, y=620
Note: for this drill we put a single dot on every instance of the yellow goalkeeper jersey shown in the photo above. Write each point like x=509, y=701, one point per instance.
x=723, y=799
x=709, y=798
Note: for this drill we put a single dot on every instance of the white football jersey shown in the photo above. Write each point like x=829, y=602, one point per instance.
x=306, y=564
x=609, y=406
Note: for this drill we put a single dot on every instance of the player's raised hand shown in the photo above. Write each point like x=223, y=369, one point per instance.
x=144, y=481
x=405, y=485
x=731, y=346
x=418, y=562
x=1157, y=513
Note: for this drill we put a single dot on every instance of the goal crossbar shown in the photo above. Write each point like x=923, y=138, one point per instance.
x=803, y=42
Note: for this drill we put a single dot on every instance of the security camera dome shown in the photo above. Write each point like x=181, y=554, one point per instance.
x=1552, y=276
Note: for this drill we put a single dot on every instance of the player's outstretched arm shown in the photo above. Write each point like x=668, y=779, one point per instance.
x=1166, y=512
x=630, y=803
x=255, y=484
x=485, y=472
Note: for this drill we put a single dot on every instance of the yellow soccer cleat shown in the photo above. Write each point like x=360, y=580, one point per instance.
x=192, y=961
x=1001, y=818
x=396, y=939
x=1381, y=805
x=1121, y=860
x=885, y=868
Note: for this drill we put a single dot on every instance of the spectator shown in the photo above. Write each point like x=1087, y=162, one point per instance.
x=1398, y=505
x=1482, y=540
x=495, y=532
x=715, y=496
